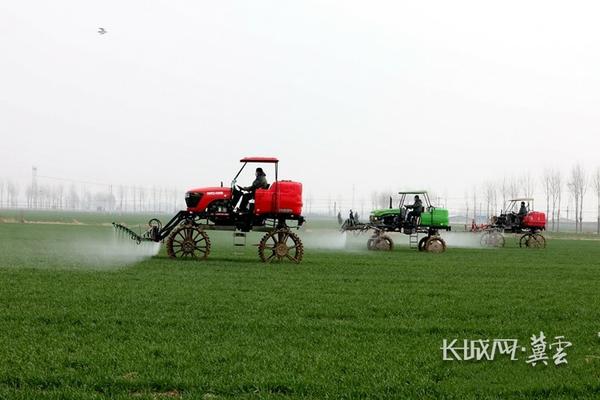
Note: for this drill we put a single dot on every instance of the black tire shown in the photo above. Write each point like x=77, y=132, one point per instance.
x=188, y=241
x=421, y=245
x=523, y=240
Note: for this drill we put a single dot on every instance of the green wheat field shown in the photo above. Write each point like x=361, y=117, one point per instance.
x=344, y=324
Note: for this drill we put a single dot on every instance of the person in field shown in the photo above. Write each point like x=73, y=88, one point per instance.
x=259, y=183
x=522, y=212
x=415, y=210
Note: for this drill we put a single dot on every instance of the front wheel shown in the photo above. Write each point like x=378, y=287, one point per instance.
x=380, y=243
x=188, y=241
x=492, y=239
x=280, y=245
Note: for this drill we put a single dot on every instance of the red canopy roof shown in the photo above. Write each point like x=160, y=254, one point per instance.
x=260, y=159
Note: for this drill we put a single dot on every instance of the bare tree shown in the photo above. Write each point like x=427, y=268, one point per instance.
x=494, y=200
x=513, y=187
x=490, y=199
x=60, y=190
x=475, y=204
x=574, y=192
x=556, y=194
x=547, y=184
x=28, y=196
x=12, y=190
x=504, y=190
x=142, y=198
x=582, y=190
x=577, y=187
x=596, y=183
x=1, y=193
x=122, y=193
x=86, y=199
x=466, y=211
x=73, y=198
x=374, y=199
x=309, y=202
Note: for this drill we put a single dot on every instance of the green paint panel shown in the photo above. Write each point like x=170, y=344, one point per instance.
x=435, y=217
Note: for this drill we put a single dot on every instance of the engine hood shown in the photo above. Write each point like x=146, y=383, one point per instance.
x=198, y=199
x=212, y=191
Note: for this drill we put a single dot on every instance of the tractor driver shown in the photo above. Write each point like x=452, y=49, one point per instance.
x=259, y=183
x=416, y=209
x=522, y=212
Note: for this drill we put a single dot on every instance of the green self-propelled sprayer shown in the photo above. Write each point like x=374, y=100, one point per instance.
x=422, y=225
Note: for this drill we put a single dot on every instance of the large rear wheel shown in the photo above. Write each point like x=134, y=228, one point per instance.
x=280, y=245
x=532, y=241
x=435, y=244
x=188, y=241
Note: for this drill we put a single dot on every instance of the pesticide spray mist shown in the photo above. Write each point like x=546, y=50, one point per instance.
x=331, y=239
x=112, y=250
x=76, y=247
x=466, y=240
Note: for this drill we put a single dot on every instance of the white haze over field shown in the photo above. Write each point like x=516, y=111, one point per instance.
x=463, y=240
x=330, y=239
x=110, y=251
x=373, y=95
x=76, y=249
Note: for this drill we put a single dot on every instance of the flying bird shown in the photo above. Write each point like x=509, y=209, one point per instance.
x=101, y=31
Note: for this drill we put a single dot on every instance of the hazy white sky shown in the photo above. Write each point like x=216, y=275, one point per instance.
x=438, y=94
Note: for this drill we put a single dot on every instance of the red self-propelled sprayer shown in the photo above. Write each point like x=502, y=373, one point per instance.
x=276, y=210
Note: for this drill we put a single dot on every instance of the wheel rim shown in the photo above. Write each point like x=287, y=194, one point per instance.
x=536, y=242
x=435, y=245
x=492, y=239
x=384, y=244
x=485, y=240
x=498, y=240
x=281, y=250
x=281, y=245
x=188, y=242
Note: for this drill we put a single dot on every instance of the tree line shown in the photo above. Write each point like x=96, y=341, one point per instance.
x=82, y=197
